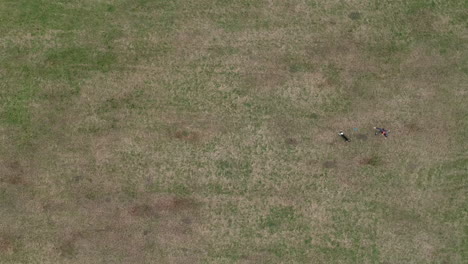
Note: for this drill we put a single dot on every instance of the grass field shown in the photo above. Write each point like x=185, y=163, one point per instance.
x=183, y=131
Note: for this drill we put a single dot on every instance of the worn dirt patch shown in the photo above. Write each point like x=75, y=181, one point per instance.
x=15, y=179
x=329, y=164
x=291, y=141
x=67, y=248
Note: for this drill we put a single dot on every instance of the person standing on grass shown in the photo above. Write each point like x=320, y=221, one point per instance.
x=382, y=131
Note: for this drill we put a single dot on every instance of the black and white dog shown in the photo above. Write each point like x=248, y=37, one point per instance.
x=344, y=136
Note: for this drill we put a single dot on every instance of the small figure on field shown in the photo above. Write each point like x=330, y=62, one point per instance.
x=382, y=131
x=344, y=136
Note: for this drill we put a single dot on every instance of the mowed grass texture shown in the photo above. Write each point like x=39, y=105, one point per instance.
x=172, y=131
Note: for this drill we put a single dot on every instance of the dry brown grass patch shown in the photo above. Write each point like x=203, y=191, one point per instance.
x=143, y=210
x=7, y=246
x=329, y=164
x=362, y=137
x=372, y=161
x=412, y=128
x=13, y=173
x=291, y=141
x=67, y=248
x=258, y=258
x=412, y=167
x=174, y=204
x=192, y=128
x=167, y=222
x=267, y=79
x=189, y=136
x=163, y=205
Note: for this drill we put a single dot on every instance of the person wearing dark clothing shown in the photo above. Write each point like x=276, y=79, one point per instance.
x=382, y=131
